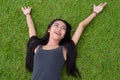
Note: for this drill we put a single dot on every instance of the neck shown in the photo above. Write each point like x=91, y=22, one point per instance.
x=53, y=42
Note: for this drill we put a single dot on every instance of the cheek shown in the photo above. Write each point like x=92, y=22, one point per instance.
x=63, y=33
x=50, y=29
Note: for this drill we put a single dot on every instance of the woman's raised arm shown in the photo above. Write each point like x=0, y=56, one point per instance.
x=29, y=20
x=85, y=22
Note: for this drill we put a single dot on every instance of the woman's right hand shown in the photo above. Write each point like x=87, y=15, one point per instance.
x=26, y=10
x=99, y=8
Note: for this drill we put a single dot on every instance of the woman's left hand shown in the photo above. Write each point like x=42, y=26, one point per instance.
x=26, y=10
x=99, y=8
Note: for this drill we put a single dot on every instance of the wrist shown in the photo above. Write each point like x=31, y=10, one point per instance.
x=95, y=13
x=27, y=14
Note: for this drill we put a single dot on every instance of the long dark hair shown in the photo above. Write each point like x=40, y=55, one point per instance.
x=66, y=42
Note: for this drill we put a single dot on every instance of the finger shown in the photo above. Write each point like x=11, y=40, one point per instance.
x=94, y=5
x=29, y=7
x=104, y=4
x=25, y=8
x=22, y=8
x=101, y=4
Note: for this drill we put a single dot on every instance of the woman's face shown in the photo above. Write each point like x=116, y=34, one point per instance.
x=57, y=30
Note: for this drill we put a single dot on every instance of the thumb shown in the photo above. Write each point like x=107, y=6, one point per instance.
x=22, y=8
x=94, y=5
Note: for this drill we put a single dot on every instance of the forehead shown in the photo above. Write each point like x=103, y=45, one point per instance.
x=60, y=23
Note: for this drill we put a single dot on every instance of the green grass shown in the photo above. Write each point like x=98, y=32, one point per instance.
x=98, y=48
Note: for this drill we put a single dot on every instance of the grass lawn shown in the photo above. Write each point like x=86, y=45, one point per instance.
x=98, y=48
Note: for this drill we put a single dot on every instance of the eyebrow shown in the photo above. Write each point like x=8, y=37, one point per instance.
x=58, y=24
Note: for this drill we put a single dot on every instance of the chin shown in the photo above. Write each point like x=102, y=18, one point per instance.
x=58, y=38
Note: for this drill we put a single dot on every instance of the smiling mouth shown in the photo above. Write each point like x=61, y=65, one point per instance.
x=59, y=34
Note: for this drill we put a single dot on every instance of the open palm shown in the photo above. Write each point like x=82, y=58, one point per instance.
x=99, y=8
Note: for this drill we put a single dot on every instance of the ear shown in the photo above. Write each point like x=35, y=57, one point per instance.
x=48, y=30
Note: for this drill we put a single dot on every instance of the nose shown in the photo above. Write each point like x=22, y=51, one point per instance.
x=59, y=28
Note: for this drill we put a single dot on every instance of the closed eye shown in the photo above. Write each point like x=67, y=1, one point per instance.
x=56, y=24
x=62, y=27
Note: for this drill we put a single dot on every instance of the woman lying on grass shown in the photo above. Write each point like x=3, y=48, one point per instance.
x=47, y=56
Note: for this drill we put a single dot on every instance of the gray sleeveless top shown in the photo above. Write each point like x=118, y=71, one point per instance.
x=48, y=64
